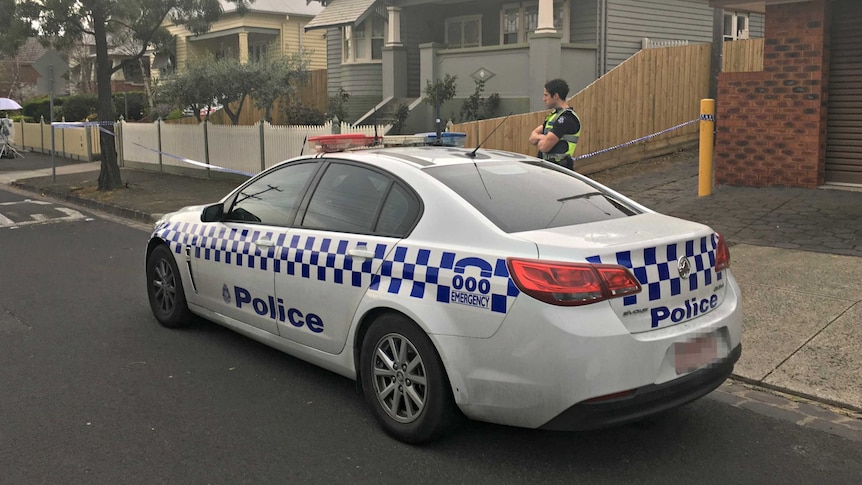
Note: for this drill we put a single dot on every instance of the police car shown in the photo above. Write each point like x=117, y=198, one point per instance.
x=454, y=282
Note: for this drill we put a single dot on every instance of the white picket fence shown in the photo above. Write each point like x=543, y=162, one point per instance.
x=245, y=149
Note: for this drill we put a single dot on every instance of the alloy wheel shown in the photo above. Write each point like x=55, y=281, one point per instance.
x=164, y=286
x=399, y=378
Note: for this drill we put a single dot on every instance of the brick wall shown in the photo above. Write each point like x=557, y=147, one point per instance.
x=771, y=125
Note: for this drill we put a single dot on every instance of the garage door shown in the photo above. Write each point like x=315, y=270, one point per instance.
x=844, y=138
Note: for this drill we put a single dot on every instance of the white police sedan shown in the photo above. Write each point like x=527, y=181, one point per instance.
x=454, y=282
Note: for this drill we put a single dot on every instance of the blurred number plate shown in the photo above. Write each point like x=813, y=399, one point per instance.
x=694, y=354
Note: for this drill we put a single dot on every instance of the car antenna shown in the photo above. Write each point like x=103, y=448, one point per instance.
x=304, y=141
x=473, y=153
x=374, y=117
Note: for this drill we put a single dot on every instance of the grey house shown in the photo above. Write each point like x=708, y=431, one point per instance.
x=382, y=52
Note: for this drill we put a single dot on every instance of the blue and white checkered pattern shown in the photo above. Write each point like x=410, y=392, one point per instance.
x=409, y=271
x=657, y=271
x=230, y=246
x=325, y=259
x=422, y=273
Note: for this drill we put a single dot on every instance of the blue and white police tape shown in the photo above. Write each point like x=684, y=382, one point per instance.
x=101, y=124
x=195, y=162
x=638, y=140
x=80, y=124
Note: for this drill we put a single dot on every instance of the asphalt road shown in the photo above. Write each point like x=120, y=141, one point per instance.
x=93, y=390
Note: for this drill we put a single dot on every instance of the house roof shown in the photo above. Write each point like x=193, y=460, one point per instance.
x=30, y=52
x=283, y=7
x=340, y=12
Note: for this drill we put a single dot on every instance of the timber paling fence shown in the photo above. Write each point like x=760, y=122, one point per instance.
x=649, y=93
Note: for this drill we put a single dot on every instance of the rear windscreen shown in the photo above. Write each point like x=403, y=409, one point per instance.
x=524, y=196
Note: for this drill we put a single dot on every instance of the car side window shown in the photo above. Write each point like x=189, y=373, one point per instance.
x=347, y=199
x=273, y=198
x=399, y=212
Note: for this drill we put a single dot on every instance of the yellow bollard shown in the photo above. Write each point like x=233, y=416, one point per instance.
x=707, y=146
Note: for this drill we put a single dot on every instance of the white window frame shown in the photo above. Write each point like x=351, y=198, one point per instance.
x=740, y=25
x=358, y=36
x=522, y=9
x=459, y=22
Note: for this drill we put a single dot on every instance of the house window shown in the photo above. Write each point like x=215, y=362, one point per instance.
x=364, y=42
x=256, y=52
x=517, y=20
x=464, y=32
x=735, y=26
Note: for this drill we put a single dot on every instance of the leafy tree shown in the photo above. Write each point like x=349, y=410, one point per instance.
x=234, y=81
x=228, y=82
x=194, y=87
x=338, y=105
x=477, y=107
x=399, y=118
x=13, y=27
x=440, y=91
x=280, y=78
x=64, y=22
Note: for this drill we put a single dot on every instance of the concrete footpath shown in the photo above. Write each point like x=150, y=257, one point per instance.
x=797, y=254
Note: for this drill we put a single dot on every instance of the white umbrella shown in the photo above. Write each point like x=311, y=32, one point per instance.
x=7, y=104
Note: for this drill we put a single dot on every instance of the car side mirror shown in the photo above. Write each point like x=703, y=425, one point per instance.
x=213, y=213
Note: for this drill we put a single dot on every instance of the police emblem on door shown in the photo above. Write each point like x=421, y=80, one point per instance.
x=684, y=267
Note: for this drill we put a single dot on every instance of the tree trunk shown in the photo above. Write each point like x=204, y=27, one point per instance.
x=109, y=176
x=147, y=81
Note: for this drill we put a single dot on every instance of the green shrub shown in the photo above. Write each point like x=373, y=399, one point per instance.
x=477, y=107
x=175, y=114
x=37, y=108
x=79, y=107
x=297, y=114
x=137, y=104
x=399, y=118
x=338, y=105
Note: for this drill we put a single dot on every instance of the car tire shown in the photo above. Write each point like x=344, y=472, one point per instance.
x=404, y=381
x=165, y=289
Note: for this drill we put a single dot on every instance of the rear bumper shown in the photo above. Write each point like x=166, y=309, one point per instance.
x=646, y=400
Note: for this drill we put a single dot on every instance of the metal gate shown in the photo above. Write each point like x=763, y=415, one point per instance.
x=844, y=136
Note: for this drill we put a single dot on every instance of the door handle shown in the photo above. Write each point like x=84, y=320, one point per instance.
x=266, y=243
x=361, y=253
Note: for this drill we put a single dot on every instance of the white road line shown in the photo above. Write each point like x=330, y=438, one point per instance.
x=26, y=201
x=71, y=213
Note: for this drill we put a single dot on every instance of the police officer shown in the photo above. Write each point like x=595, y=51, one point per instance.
x=557, y=137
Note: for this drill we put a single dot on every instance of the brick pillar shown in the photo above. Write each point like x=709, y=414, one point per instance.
x=772, y=124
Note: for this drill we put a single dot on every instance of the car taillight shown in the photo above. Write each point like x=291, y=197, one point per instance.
x=722, y=254
x=570, y=284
